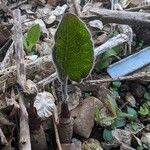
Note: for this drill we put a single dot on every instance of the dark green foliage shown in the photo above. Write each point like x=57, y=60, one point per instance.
x=31, y=38
x=73, y=49
x=107, y=135
x=106, y=58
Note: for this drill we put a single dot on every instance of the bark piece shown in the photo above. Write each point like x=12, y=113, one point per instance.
x=42, y=66
x=122, y=17
x=84, y=116
x=3, y=139
x=91, y=144
x=8, y=58
x=24, y=139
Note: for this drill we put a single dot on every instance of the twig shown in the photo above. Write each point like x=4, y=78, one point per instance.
x=5, y=45
x=121, y=17
x=145, y=7
x=7, y=59
x=3, y=140
x=130, y=77
x=12, y=103
x=24, y=141
x=117, y=40
x=56, y=134
x=47, y=80
x=77, y=7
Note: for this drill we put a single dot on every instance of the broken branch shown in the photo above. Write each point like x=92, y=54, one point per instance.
x=121, y=17
x=24, y=139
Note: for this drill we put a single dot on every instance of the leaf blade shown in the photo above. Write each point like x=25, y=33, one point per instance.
x=33, y=35
x=73, y=49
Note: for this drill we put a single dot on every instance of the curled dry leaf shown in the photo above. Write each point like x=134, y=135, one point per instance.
x=122, y=136
x=96, y=24
x=74, y=98
x=44, y=48
x=84, y=117
x=125, y=3
x=44, y=104
x=49, y=19
x=91, y=144
x=60, y=10
x=146, y=139
x=130, y=99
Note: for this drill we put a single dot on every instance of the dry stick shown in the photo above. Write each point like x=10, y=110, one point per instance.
x=77, y=7
x=121, y=17
x=145, y=7
x=3, y=140
x=56, y=134
x=8, y=57
x=49, y=79
x=6, y=44
x=24, y=141
x=117, y=40
x=130, y=77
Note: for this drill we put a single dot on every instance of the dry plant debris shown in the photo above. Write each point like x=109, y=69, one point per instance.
x=105, y=112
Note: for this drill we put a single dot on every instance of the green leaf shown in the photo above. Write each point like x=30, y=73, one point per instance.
x=107, y=135
x=106, y=58
x=116, y=84
x=109, y=53
x=73, y=53
x=124, y=115
x=147, y=96
x=119, y=122
x=99, y=117
x=132, y=112
x=97, y=113
x=111, y=103
x=134, y=126
x=144, y=110
x=33, y=35
x=102, y=64
x=114, y=93
x=106, y=118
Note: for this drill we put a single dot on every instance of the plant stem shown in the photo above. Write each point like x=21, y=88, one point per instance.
x=64, y=90
x=65, y=122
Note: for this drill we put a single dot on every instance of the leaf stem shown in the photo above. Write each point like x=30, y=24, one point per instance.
x=64, y=90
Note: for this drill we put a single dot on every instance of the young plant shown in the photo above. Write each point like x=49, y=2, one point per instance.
x=106, y=58
x=31, y=38
x=144, y=110
x=117, y=118
x=147, y=96
x=73, y=57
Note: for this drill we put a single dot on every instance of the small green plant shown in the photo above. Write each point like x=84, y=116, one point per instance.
x=117, y=118
x=147, y=96
x=107, y=135
x=106, y=58
x=31, y=38
x=144, y=110
x=73, y=58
